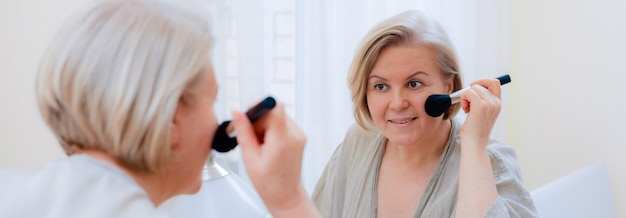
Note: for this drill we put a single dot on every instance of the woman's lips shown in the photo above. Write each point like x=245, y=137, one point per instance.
x=402, y=120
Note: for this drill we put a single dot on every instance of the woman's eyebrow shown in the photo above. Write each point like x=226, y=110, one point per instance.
x=416, y=73
x=378, y=77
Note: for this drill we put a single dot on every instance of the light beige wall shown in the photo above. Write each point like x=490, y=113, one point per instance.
x=26, y=28
x=566, y=108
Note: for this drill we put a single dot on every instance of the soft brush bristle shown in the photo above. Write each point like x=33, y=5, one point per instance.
x=221, y=141
x=436, y=105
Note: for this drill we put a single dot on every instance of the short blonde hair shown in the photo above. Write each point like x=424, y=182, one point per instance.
x=408, y=28
x=112, y=79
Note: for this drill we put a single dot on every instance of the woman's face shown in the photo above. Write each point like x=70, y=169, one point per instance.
x=196, y=124
x=401, y=80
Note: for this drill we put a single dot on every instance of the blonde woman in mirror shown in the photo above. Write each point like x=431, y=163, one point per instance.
x=127, y=87
x=400, y=162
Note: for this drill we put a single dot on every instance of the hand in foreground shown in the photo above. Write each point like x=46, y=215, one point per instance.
x=272, y=151
x=482, y=105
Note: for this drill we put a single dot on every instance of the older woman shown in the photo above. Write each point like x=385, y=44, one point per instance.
x=400, y=162
x=127, y=88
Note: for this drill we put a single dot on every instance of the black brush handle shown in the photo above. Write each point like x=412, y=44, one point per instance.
x=255, y=113
x=504, y=79
x=222, y=142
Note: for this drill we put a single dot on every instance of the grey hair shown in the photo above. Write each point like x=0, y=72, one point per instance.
x=113, y=76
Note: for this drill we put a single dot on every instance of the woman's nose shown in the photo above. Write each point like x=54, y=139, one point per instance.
x=399, y=100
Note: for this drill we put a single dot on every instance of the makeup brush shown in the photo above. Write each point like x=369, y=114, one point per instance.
x=436, y=105
x=224, y=142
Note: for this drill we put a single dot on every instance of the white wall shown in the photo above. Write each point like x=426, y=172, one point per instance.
x=26, y=28
x=565, y=105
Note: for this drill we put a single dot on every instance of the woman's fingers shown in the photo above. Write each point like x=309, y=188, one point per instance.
x=246, y=136
x=493, y=85
x=482, y=104
x=483, y=93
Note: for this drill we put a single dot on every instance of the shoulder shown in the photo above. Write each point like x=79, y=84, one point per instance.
x=357, y=149
x=497, y=148
x=62, y=186
x=503, y=159
x=354, y=144
x=356, y=135
x=501, y=151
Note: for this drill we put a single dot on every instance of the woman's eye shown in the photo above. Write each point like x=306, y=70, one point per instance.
x=380, y=87
x=414, y=84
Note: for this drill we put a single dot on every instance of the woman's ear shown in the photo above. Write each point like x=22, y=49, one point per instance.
x=174, y=135
x=175, y=130
x=450, y=84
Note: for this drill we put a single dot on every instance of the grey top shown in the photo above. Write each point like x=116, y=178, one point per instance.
x=347, y=188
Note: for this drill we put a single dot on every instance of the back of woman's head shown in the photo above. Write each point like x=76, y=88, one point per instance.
x=411, y=28
x=112, y=79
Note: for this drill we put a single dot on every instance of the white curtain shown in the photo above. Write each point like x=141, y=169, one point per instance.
x=325, y=36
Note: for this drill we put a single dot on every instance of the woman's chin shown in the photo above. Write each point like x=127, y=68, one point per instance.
x=402, y=140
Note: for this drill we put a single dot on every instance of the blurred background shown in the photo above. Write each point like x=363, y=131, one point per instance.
x=560, y=111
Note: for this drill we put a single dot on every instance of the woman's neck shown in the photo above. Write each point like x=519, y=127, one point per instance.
x=422, y=153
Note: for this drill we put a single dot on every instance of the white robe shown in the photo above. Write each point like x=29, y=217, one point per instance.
x=77, y=186
x=347, y=188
